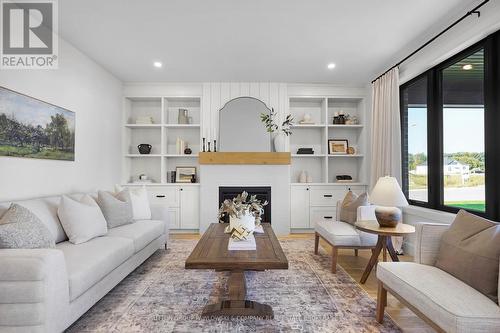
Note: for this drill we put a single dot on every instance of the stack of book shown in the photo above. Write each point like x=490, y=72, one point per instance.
x=305, y=151
x=242, y=245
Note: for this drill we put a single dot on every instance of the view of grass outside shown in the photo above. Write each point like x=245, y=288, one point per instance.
x=463, y=161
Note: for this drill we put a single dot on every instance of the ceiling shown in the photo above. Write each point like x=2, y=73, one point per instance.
x=252, y=40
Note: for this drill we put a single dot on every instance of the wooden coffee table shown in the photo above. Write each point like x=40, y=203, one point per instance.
x=384, y=242
x=211, y=253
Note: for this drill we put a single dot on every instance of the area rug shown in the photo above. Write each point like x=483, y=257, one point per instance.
x=161, y=296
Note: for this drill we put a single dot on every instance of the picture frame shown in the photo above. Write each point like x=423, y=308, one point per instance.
x=184, y=174
x=32, y=128
x=337, y=146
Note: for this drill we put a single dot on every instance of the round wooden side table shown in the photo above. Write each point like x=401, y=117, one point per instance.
x=384, y=242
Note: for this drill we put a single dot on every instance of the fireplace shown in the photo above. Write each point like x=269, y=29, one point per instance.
x=263, y=193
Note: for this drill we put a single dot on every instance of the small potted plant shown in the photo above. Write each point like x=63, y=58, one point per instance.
x=269, y=121
x=243, y=210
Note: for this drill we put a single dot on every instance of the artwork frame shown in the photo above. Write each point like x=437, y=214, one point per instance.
x=32, y=128
x=338, y=146
x=183, y=174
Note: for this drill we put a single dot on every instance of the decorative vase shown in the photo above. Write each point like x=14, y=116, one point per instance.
x=279, y=142
x=303, y=177
x=246, y=220
x=144, y=148
x=183, y=117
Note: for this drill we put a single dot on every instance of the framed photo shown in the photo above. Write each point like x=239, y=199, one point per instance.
x=184, y=174
x=31, y=128
x=337, y=146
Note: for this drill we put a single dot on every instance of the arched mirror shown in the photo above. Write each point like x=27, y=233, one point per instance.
x=240, y=127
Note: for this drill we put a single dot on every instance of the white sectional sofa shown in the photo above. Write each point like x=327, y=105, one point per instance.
x=443, y=301
x=46, y=290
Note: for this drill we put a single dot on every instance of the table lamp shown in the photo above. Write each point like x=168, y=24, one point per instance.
x=387, y=196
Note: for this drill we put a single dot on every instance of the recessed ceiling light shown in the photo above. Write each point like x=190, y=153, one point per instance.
x=157, y=64
x=467, y=67
x=331, y=66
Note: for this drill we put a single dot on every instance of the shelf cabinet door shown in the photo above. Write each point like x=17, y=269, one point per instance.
x=189, y=207
x=299, y=207
x=173, y=218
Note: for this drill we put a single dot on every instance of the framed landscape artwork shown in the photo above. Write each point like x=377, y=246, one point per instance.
x=31, y=128
x=184, y=174
x=337, y=146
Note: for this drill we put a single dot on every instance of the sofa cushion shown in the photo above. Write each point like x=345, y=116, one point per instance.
x=447, y=301
x=338, y=233
x=470, y=250
x=89, y=262
x=349, y=206
x=21, y=229
x=81, y=219
x=46, y=210
x=141, y=232
x=116, y=208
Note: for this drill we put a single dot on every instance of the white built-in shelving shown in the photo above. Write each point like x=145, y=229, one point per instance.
x=322, y=166
x=161, y=135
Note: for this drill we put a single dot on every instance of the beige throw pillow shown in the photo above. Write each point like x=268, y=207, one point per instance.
x=349, y=206
x=469, y=251
x=117, y=209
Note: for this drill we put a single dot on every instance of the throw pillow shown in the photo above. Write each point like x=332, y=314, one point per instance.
x=117, y=209
x=349, y=206
x=141, y=209
x=470, y=251
x=81, y=220
x=21, y=229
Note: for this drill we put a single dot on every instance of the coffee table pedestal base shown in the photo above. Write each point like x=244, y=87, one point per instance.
x=236, y=308
x=237, y=305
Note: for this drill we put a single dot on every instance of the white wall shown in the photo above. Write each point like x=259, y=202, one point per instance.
x=465, y=34
x=82, y=86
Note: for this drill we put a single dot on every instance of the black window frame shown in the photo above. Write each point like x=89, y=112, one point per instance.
x=435, y=184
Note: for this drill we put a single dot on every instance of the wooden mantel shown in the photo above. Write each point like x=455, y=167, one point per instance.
x=245, y=158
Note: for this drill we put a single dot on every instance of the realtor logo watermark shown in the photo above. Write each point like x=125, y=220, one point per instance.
x=29, y=37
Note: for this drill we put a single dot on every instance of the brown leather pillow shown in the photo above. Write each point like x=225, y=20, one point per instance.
x=349, y=206
x=469, y=251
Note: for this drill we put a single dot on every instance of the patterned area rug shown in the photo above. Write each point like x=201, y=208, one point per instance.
x=161, y=296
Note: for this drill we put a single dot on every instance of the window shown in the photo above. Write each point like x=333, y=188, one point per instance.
x=450, y=121
x=463, y=133
x=414, y=111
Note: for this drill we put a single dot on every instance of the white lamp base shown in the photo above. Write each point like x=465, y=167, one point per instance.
x=388, y=216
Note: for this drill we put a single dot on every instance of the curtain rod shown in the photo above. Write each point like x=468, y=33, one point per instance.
x=471, y=12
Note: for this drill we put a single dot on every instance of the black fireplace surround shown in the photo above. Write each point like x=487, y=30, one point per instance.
x=263, y=193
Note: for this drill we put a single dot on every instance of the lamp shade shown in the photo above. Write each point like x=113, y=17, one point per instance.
x=387, y=192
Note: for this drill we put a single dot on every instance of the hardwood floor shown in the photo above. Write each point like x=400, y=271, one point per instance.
x=355, y=266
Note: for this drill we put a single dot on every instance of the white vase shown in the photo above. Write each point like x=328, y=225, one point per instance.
x=279, y=142
x=247, y=221
x=303, y=177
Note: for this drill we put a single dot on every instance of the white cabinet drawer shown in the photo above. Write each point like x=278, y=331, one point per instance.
x=173, y=218
x=168, y=196
x=325, y=196
x=357, y=189
x=321, y=214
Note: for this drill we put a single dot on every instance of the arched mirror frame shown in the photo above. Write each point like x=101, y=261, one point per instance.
x=220, y=143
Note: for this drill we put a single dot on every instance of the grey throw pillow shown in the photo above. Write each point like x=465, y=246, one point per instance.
x=349, y=206
x=117, y=209
x=21, y=229
x=470, y=251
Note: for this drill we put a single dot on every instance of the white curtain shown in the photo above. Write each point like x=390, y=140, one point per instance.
x=386, y=132
x=386, y=128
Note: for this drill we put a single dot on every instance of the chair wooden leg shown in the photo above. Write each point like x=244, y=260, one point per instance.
x=381, y=301
x=334, y=259
x=316, y=243
x=356, y=252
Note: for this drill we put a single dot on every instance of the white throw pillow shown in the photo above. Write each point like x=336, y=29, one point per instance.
x=81, y=220
x=140, y=202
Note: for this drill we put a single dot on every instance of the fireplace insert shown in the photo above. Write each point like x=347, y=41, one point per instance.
x=263, y=193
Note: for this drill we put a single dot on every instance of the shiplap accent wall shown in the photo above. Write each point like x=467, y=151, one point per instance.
x=217, y=94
